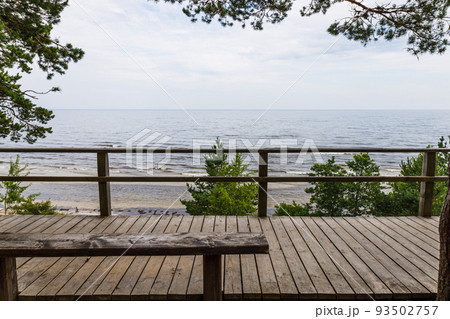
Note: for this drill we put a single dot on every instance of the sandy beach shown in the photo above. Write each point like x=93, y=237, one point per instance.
x=148, y=198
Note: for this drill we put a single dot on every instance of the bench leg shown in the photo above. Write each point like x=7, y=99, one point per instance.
x=8, y=279
x=212, y=277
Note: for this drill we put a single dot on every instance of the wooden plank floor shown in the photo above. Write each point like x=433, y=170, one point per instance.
x=310, y=258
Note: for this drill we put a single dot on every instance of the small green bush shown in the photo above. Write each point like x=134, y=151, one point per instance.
x=11, y=194
x=229, y=198
x=35, y=208
x=339, y=198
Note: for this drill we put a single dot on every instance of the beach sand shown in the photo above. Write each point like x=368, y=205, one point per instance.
x=145, y=198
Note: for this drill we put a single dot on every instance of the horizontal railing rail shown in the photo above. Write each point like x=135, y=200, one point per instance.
x=427, y=179
x=217, y=179
x=225, y=150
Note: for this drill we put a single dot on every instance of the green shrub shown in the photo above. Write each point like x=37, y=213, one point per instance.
x=404, y=197
x=353, y=199
x=339, y=198
x=222, y=198
x=11, y=194
x=294, y=209
x=35, y=208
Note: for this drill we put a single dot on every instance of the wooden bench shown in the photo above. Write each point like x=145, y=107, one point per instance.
x=211, y=245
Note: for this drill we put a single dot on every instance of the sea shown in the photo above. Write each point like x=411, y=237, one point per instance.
x=199, y=129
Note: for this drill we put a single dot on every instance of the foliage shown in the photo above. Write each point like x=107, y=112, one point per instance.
x=230, y=198
x=327, y=197
x=13, y=199
x=362, y=198
x=25, y=38
x=35, y=208
x=294, y=209
x=424, y=23
x=404, y=197
x=369, y=198
x=339, y=198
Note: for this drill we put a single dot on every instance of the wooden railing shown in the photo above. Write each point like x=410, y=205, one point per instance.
x=427, y=179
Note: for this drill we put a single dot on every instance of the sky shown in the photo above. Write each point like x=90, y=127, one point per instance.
x=147, y=55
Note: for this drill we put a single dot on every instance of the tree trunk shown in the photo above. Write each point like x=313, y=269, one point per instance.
x=443, y=291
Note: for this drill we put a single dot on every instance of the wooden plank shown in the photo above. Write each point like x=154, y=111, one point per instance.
x=414, y=266
x=142, y=288
x=251, y=287
x=69, y=290
x=49, y=222
x=412, y=243
x=118, y=269
x=318, y=241
x=267, y=277
x=13, y=221
x=302, y=278
x=286, y=284
x=430, y=220
x=433, y=234
x=182, y=272
x=8, y=279
x=124, y=288
x=50, y=292
x=396, y=286
x=21, y=261
x=5, y=219
x=69, y=224
x=35, y=267
x=58, y=224
x=83, y=223
x=24, y=223
x=169, y=267
x=393, y=262
x=412, y=235
x=363, y=280
x=195, y=288
x=29, y=272
x=232, y=284
x=95, y=268
x=425, y=222
x=30, y=293
x=164, y=277
x=306, y=246
x=180, y=283
x=38, y=222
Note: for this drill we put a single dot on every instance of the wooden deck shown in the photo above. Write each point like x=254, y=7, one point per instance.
x=310, y=259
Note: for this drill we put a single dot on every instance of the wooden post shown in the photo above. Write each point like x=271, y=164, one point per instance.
x=8, y=279
x=103, y=187
x=212, y=277
x=427, y=188
x=262, y=189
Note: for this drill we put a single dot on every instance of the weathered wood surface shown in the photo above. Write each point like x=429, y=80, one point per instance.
x=330, y=252
x=59, y=245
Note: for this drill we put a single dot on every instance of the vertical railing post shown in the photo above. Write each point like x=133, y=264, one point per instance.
x=262, y=189
x=103, y=187
x=427, y=188
x=212, y=277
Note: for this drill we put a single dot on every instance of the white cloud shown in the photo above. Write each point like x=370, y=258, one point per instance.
x=210, y=66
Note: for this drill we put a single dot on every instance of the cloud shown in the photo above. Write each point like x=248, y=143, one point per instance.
x=208, y=66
